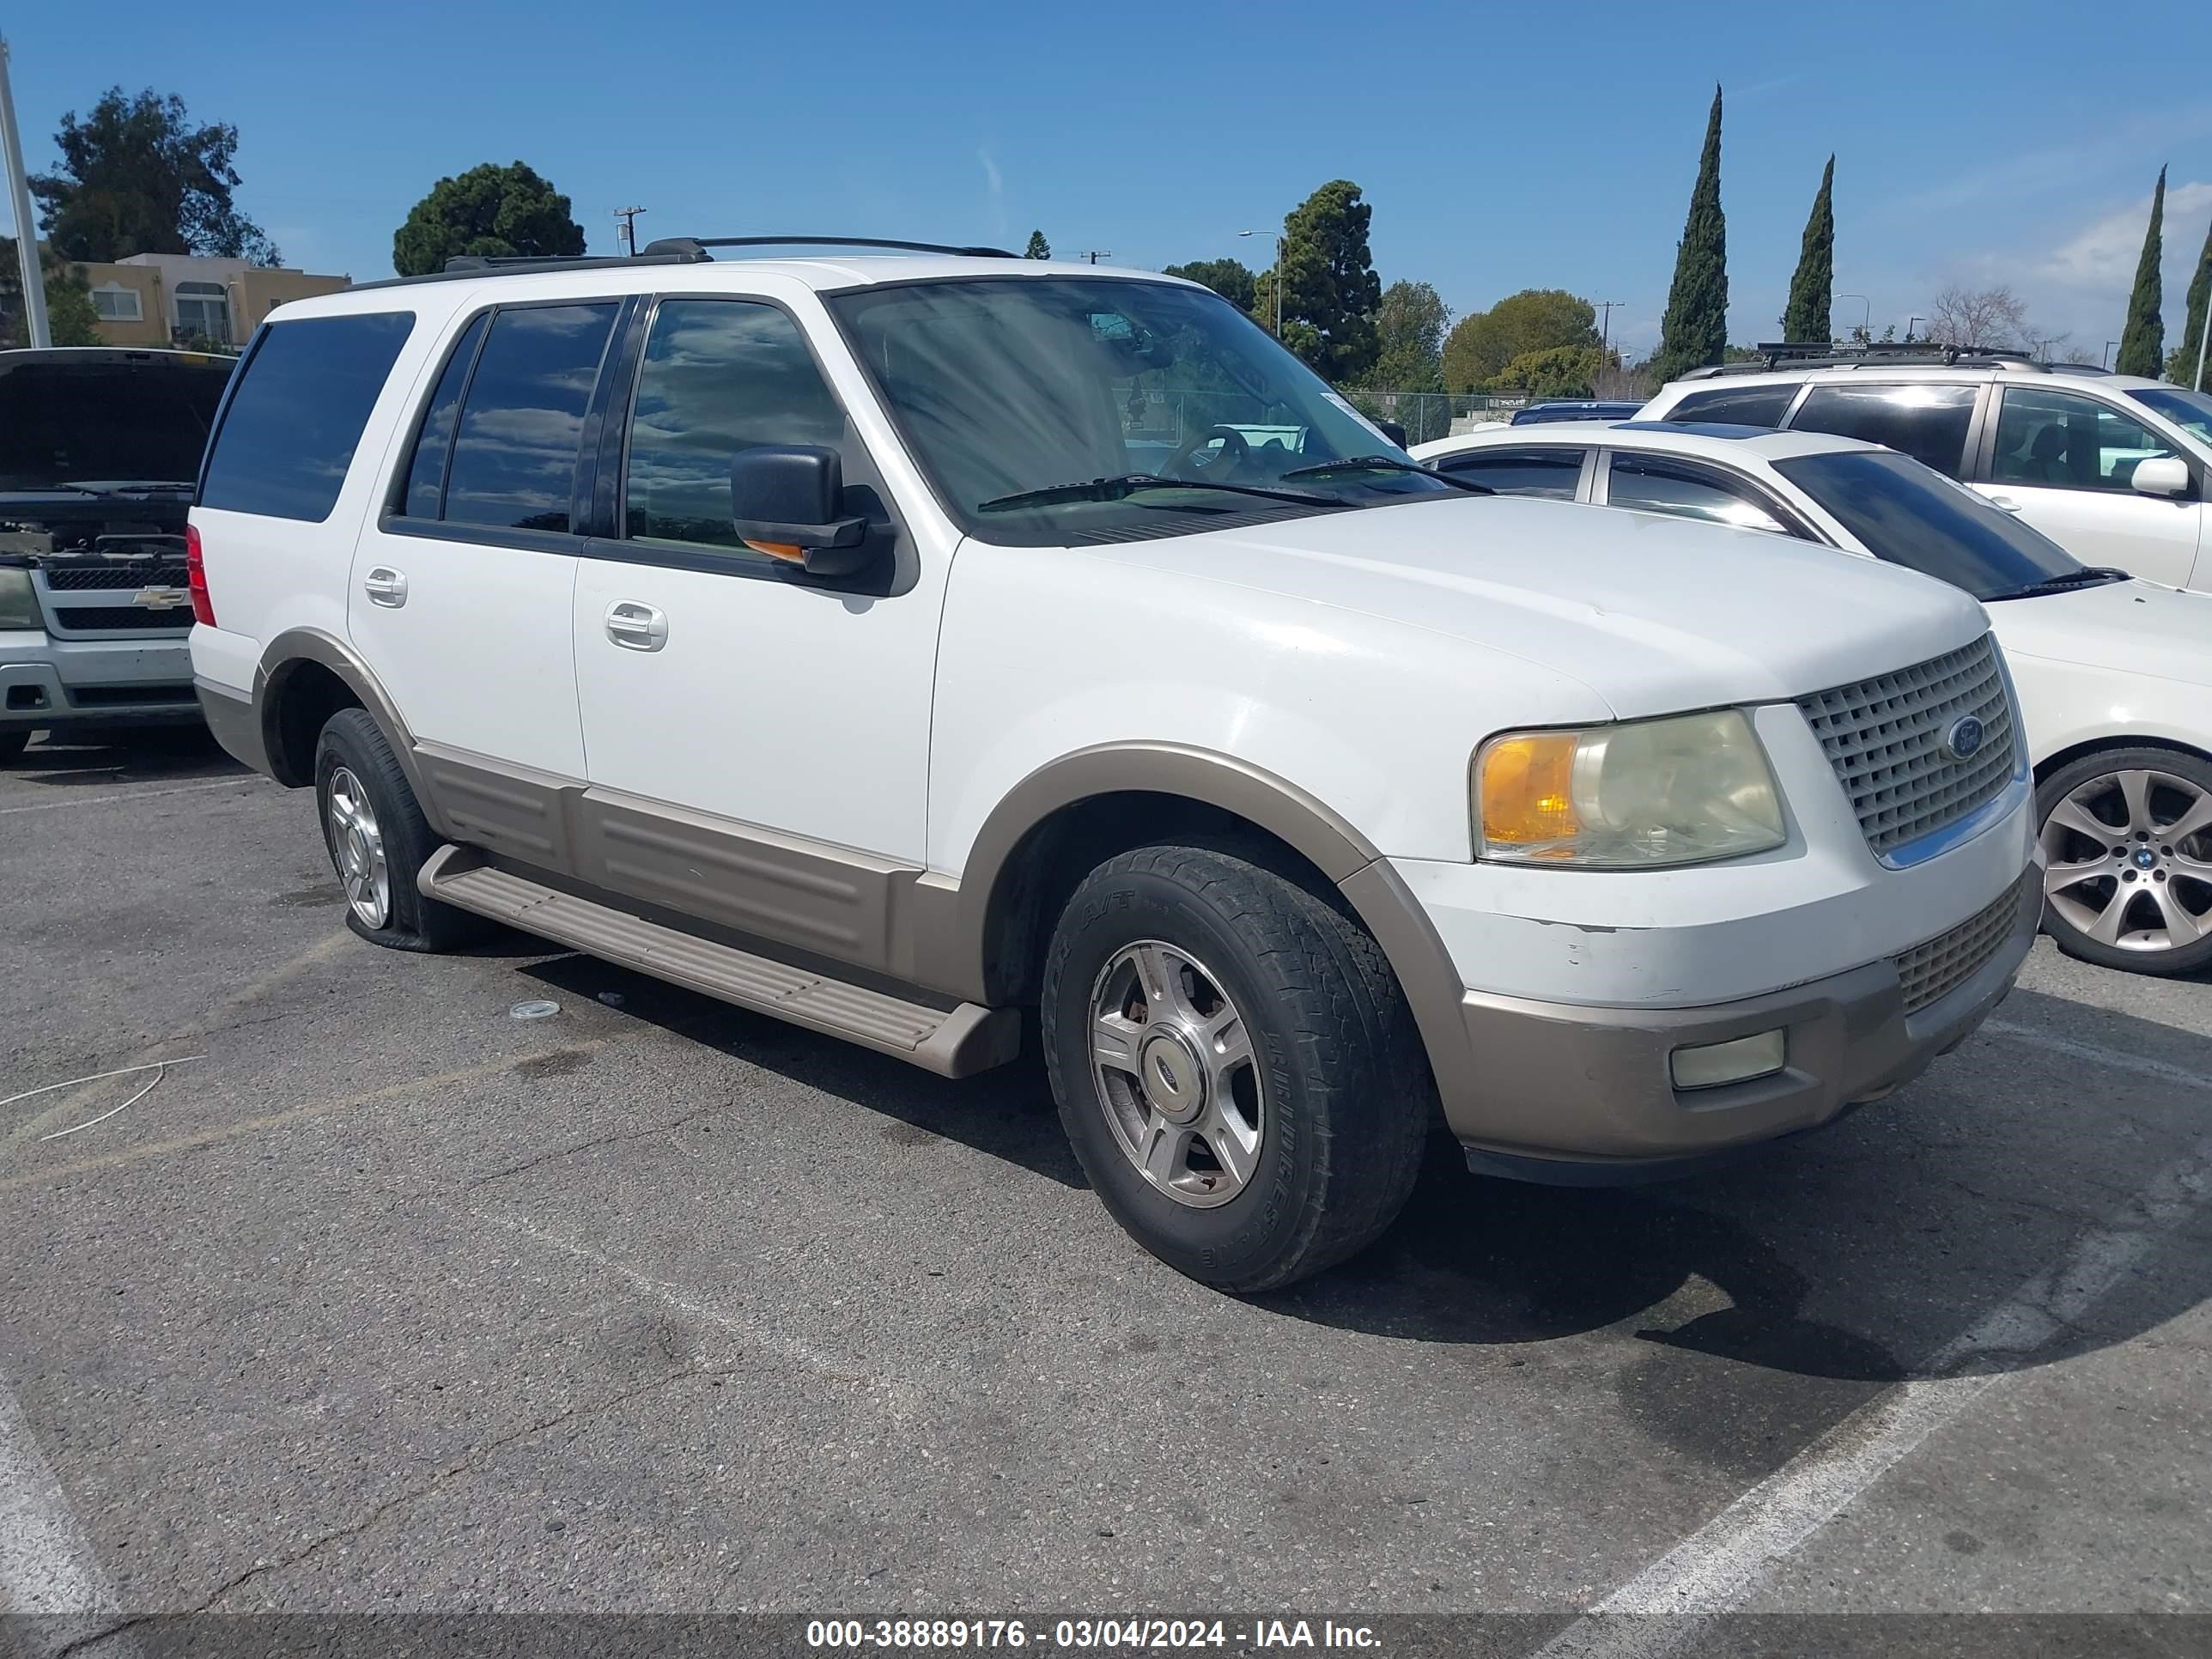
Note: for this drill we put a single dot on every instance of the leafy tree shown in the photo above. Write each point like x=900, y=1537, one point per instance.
x=1694, y=330
x=1227, y=278
x=1811, y=290
x=137, y=177
x=70, y=319
x=1569, y=371
x=1409, y=328
x=2142, y=341
x=1038, y=247
x=1330, y=291
x=489, y=211
x=1535, y=319
x=2181, y=367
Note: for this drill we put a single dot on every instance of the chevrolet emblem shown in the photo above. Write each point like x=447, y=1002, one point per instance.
x=162, y=598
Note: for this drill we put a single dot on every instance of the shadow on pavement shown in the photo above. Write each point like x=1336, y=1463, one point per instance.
x=156, y=754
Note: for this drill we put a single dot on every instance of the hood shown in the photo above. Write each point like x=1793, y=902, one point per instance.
x=86, y=414
x=1657, y=614
x=2136, y=626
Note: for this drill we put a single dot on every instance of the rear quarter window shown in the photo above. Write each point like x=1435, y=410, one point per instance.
x=288, y=439
x=1737, y=405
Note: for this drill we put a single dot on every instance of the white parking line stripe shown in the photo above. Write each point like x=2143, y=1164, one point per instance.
x=46, y=1563
x=1716, y=1567
x=139, y=794
x=2098, y=1055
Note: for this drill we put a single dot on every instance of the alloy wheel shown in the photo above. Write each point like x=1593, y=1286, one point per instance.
x=2130, y=860
x=1172, y=1061
x=357, y=846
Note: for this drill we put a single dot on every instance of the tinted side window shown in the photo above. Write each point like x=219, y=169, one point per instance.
x=1552, y=473
x=719, y=376
x=1737, y=405
x=514, y=452
x=425, y=473
x=1687, y=493
x=297, y=414
x=2064, y=440
x=1927, y=422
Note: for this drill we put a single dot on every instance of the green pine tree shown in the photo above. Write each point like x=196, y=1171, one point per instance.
x=2183, y=365
x=1038, y=247
x=1694, y=328
x=2143, y=341
x=1811, y=298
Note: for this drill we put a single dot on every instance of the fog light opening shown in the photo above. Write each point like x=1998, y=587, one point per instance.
x=1709, y=1065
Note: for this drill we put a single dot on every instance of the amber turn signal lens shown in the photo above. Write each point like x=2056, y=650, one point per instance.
x=1524, y=790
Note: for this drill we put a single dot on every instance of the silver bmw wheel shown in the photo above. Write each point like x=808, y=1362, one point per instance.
x=1172, y=1062
x=357, y=848
x=2130, y=861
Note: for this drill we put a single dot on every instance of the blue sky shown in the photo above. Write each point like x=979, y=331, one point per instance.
x=1501, y=148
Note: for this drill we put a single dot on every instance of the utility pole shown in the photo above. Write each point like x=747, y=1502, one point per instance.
x=1096, y=254
x=1277, y=285
x=26, y=231
x=1605, y=329
x=626, y=234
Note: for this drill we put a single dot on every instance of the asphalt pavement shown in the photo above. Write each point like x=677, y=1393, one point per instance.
x=382, y=1301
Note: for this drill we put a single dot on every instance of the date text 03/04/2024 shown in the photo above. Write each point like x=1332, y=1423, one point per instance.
x=1085, y=1633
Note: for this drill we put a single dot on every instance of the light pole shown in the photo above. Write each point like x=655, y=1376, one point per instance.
x=1277, y=285
x=1909, y=322
x=26, y=232
x=2204, y=333
x=2107, y=358
x=1866, y=322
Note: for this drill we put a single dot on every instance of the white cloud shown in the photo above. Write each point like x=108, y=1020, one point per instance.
x=2101, y=258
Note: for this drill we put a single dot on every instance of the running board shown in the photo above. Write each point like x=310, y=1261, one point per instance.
x=957, y=1042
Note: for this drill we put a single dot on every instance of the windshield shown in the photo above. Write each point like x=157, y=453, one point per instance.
x=98, y=421
x=2191, y=411
x=1903, y=513
x=1004, y=387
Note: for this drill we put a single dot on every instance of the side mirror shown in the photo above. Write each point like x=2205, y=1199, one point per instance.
x=1394, y=430
x=787, y=500
x=2161, y=475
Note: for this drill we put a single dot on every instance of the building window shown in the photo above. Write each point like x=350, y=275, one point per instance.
x=203, y=312
x=115, y=303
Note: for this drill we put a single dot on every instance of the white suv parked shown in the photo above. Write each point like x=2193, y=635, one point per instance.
x=2116, y=470
x=887, y=644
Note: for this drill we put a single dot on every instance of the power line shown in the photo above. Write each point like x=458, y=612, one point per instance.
x=1605, y=336
x=1095, y=254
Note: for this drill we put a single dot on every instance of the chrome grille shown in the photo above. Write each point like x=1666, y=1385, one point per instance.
x=143, y=573
x=1886, y=739
x=1932, y=971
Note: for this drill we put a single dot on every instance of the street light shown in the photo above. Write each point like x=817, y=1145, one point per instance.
x=1277, y=285
x=2109, y=345
x=1909, y=322
x=1866, y=323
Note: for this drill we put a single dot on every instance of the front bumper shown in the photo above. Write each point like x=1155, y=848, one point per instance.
x=1585, y=1095
x=62, y=686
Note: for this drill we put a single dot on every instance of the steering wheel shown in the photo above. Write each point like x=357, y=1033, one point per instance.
x=1234, y=452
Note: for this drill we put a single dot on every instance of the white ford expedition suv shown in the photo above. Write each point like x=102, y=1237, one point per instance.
x=888, y=643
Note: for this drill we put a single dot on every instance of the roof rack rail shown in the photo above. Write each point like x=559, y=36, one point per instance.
x=483, y=264
x=1882, y=354
x=694, y=248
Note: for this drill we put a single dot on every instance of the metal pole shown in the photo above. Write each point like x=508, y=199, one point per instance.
x=1909, y=322
x=626, y=230
x=1866, y=322
x=1605, y=329
x=1278, y=285
x=2204, y=333
x=26, y=232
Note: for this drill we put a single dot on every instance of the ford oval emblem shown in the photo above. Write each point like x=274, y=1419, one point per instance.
x=1963, y=740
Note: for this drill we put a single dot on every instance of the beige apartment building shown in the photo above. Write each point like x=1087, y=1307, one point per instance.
x=165, y=299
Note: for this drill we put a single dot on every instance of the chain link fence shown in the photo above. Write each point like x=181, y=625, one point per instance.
x=1429, y=415
x=1156, y=419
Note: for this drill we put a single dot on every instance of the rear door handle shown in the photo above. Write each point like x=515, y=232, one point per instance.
x=386, y=586
x=636, y=627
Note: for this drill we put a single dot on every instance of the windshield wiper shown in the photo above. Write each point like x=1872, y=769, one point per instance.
x=1116, y=489
x=1388, y=464
x=2092, y=576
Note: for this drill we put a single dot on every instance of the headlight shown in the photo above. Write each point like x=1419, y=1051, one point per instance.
x=19, y=606
x=1677, y=791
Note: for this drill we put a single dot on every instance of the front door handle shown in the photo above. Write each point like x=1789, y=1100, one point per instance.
x=2002, y=503
x=386, y=586
x=636, y=627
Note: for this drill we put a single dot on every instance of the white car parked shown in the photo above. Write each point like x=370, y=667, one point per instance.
x=2116, y=470
x=804, y=631
x=2115, y=675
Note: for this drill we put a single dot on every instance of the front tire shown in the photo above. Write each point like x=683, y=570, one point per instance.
x=12, y=745
x=2127, y=834
x=1235, y=1066
x=379, y=841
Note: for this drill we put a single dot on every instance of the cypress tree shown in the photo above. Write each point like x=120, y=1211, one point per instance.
x=1810, y=297
x=2143, y=341
x=2182, y=369
x=1694, y=328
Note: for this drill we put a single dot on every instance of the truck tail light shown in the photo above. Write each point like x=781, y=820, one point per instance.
x=196, y=578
